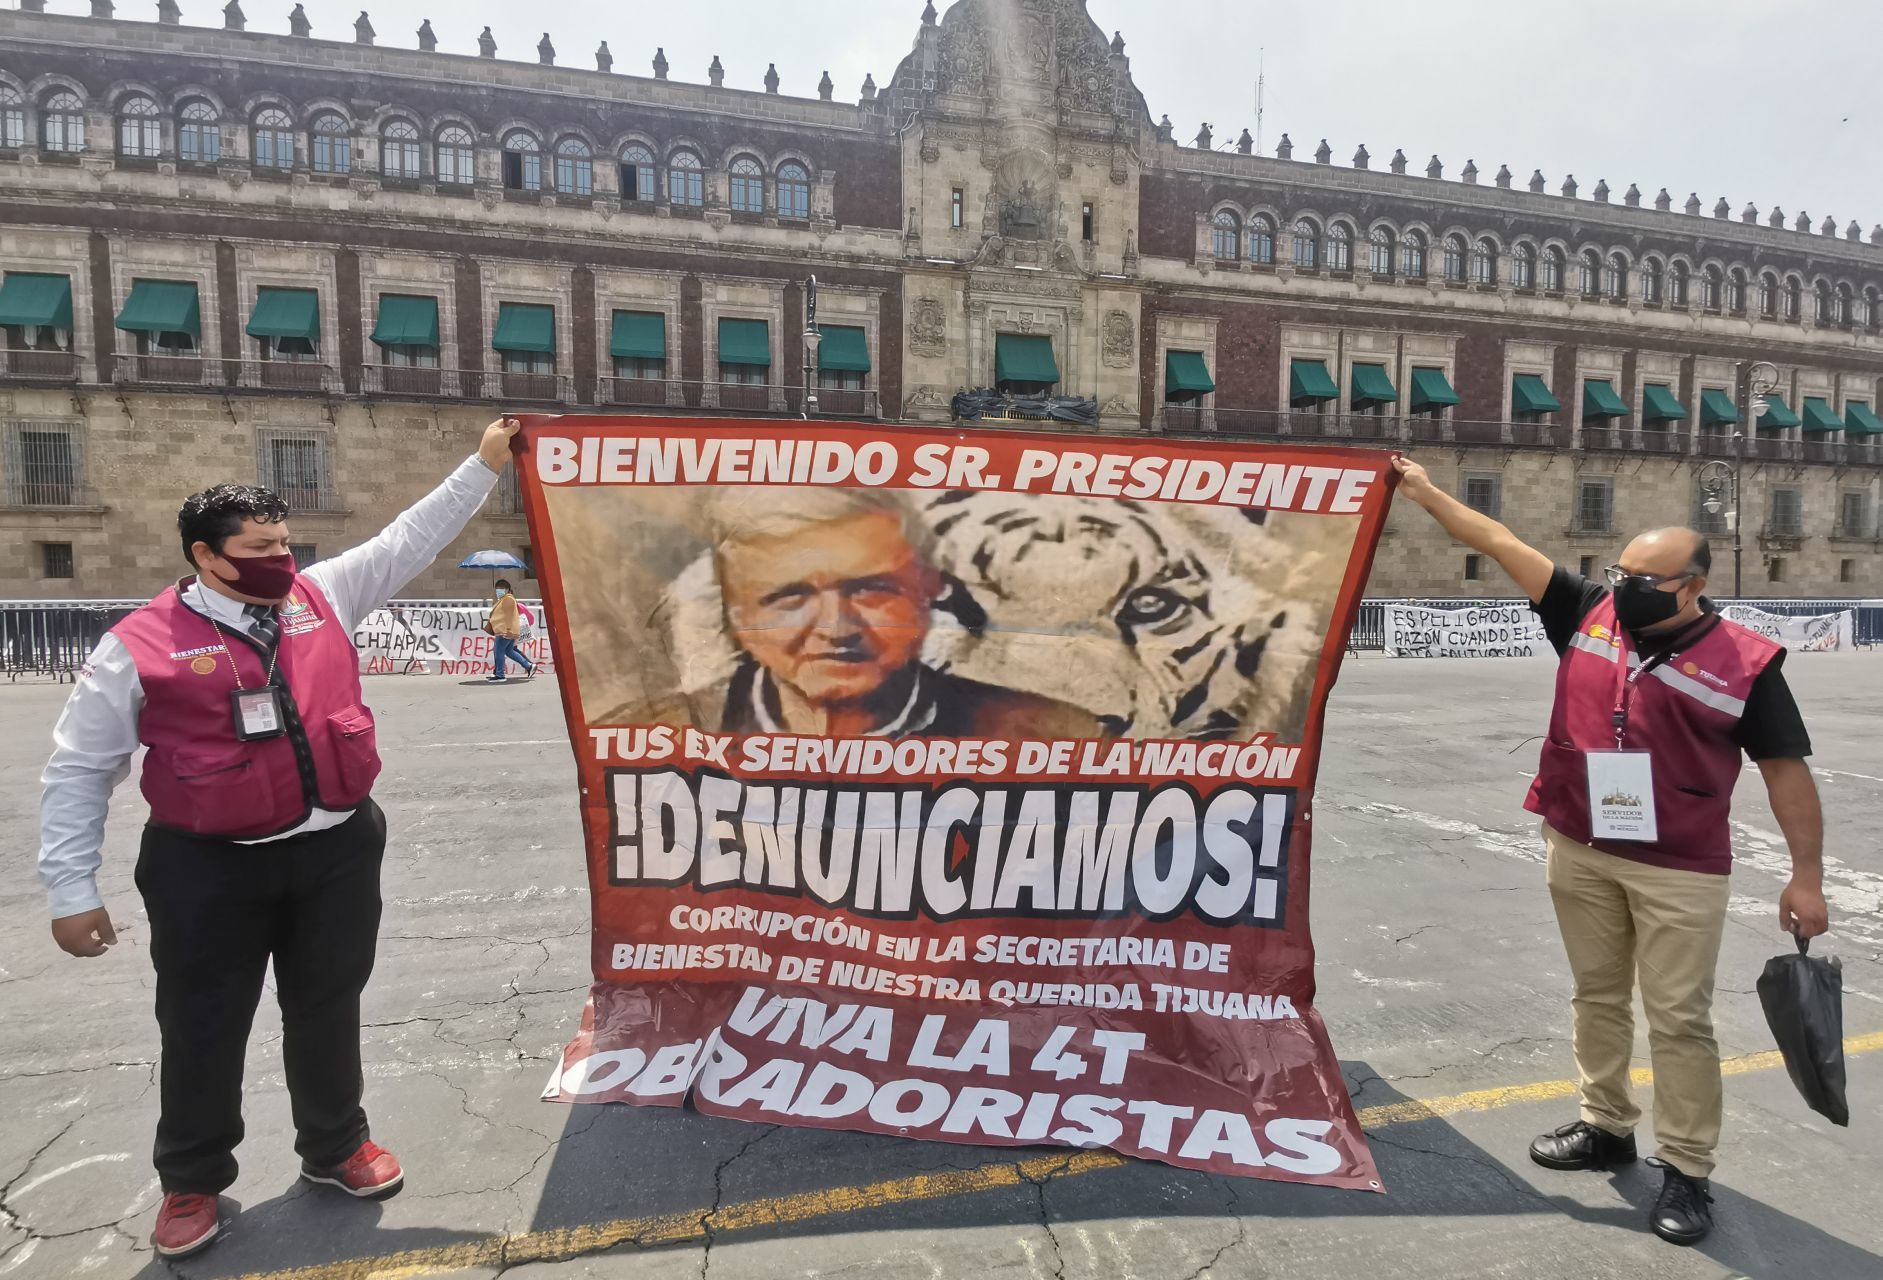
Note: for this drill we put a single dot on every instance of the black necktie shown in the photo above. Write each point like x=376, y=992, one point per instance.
x=262, y=625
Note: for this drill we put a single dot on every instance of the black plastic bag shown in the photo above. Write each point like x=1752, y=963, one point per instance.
x=1803, y=998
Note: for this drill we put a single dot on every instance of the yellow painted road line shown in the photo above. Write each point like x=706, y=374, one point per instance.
x=681, y=1228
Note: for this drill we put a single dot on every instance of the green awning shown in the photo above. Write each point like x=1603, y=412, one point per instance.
x=1370, y=387
x=1776, y=414
x=1431, y=390
x=285, y=313
x=639, y=335
x=1600, y=401
x=1859, y=420
x=1308, y=383
x=161, y=306
x=1530, y=394
x=745, y=342
x=1659, y=405
x=843, y=349
x=406, y=321
x=529, y=327
x=29, y=297
x=1717, y=409
x=1024, y=357
x=1819, y=415
x=1186, y=374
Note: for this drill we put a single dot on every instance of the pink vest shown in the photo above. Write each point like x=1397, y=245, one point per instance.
x=1683, y=711
x=198, y=776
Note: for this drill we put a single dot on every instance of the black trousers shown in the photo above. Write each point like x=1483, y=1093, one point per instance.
x=219, y=911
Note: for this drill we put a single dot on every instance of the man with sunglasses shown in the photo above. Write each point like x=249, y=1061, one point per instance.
x=1657, y=695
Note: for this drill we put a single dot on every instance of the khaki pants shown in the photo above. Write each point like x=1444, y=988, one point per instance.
x=1621, y=920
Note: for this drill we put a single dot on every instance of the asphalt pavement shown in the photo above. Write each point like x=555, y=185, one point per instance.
x=1441, y=979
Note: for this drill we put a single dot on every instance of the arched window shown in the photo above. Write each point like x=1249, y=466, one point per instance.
x=1454, y=259
x=686, y=183
x=575, y=168
x=522, y=161
x=199, y=133
x=1484, y=263
x=1226, y=236
x=1379, y=251
x=794, y=190
x=62, y=122
x=1652, y=275
x=1824, y=313
x=12, y=118
x=1339, y=247
x=1768, y=296
x=1712, y=289
x=274, y=139
x=1261, y=241
x=1872, y=318
x=1678, y=277
x=399, y=155
x=639, y=173
x=1846, y=306
x=330, y=141
x=1307, y=243
x=1736, y=292
x=1615, y=277
x=748, y=186
x=1794, y=299
x=1589, y=274
x=1551, y=270
x=454, y=156
x=1412, y=256
x=140, y=127
x=1523, y=267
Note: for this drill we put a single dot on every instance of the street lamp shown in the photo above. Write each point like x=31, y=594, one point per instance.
x=1719, y=480
x=811, y=338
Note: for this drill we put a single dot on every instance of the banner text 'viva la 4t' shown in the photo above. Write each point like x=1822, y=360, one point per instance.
x=955, y=785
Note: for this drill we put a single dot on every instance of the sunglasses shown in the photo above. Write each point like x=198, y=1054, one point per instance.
x=1651, y=581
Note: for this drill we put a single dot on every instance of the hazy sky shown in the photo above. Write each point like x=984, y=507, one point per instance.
x=1760, y=100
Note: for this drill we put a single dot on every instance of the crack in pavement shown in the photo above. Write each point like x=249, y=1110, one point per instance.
x=1231, y=1204
x=1046, y=1219
x=1515, y=1183
x=719, y=1173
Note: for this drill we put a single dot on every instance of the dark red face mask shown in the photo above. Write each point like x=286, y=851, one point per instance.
x=263, y=577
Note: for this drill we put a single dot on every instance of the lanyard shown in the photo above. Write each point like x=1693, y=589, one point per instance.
x=274, y=655
x=1628, y=670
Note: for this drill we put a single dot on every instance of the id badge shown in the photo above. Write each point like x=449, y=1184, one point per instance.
x=1621, y=795
x=257, y=713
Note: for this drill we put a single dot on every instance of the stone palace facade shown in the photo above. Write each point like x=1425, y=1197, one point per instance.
x=324, y=264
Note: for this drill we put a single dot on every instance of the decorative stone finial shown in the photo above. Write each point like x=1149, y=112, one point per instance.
x=168, y=14
x=1537, y=182
x=660, y=64
x=1853, y=232
x=1204, y=138
x=1469, y=174
x=1829, y=228
x=1398, y=163
x=604, y=57
x=1323, y=154
x=363, y=32
x=298, y=25
x=1776, y=218
x=1285, y=149
x=1361, y=157
x=1876, y=234
x=1117, y=43
x=869, y=87
x=427, y=41
x=771, y=77
x=545, y=51
x=486, y=44
x=1693, y=204
x=1804, y=222
x=1433, y=169
x=1722, y=210
x=1503, y=178
x=233, y=19
x=1750, y=214
x=1245, y=143
x=716, y=74
x=1632, y=196
x=1663, y=201
x=102, y=8
x=928, y=14
x=1164, y=128
x=1569, y=187
x=1600, y=194
x=825, y=88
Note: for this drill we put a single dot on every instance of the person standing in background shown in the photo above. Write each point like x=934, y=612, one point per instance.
x=506, y=625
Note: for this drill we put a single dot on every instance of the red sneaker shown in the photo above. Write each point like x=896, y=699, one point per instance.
x=370, y=1171
x=186, y=1224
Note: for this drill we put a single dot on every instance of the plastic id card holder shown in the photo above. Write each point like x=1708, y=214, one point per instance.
x=257, y=713
x=1621, y=795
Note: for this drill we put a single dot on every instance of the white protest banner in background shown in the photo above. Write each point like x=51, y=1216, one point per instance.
x=444, y=641
x=1483, y=631
x=1817, y=633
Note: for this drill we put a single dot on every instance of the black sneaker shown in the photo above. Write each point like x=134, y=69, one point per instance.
x=1683, y=1212
x=1583, y=1146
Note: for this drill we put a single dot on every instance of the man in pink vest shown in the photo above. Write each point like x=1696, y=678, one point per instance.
x=263, y=842
x=1656, y=698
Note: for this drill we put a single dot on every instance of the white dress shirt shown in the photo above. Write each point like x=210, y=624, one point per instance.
x=96, y=735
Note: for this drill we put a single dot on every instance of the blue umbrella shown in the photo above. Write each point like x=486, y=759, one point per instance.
x=491, y=560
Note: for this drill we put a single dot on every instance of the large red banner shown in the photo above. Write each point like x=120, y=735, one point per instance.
x=955, y=784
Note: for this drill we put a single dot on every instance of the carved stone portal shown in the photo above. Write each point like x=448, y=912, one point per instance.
x=928, y=328
x=1119, y=340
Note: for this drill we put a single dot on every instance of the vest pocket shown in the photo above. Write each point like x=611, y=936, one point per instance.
x=227, y=788
x=355, y=744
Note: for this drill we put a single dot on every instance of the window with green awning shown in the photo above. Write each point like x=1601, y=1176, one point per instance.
x=526, y=327
x=1861, y=420
x=162, y=306
x=285, y=313
x=1024, y=357
x=1658, y=404
x=1529, y=394
x=37, y=299
x=1777, y=415
x=1819, y=416
x=638, y=335
x=1431, y=390
x=1186, y=375
x=1717, y=409
x=843, y=349
x=1600, y=401
x=1371, y=387
x=1309, y=383
x=406, y=320
x=745, y=342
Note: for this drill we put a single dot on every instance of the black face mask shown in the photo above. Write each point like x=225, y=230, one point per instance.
x=1638, y=606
